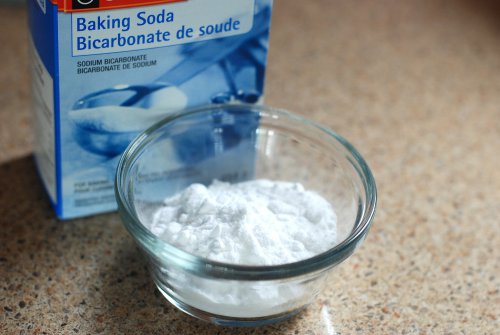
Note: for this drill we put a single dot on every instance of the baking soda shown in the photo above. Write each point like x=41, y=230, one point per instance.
x=104, y=71
x=259, y=222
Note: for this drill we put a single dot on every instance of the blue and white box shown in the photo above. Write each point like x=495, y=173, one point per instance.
x=103, y=71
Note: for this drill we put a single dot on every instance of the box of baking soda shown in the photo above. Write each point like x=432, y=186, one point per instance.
x=105, y=70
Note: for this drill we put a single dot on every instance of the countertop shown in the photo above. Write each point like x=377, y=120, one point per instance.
x=414, y=85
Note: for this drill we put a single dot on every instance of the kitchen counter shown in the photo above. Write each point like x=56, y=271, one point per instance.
x=414, y=85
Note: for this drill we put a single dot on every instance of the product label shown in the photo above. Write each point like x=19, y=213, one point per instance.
x=43, y=105
x=148, y=27
x=110, y=69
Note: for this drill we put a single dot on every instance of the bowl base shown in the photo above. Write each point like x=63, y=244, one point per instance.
x=223, y=320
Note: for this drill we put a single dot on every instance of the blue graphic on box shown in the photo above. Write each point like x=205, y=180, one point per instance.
x=109, y=98
x=215, y=144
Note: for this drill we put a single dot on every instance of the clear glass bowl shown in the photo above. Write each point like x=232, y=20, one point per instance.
x=236, y=143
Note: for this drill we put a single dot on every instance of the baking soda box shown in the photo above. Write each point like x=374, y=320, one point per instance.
x=105, y=70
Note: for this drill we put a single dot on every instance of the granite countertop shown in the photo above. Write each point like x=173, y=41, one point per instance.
x=414, y=85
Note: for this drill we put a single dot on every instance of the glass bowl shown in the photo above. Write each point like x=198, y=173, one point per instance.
x=237, y=143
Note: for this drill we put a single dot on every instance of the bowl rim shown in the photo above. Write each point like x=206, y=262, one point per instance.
x=215, y=269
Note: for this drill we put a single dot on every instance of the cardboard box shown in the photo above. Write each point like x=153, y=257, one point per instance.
x=103, y=71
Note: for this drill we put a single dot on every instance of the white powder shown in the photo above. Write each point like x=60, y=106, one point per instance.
x=130, y=119
x=258, y=222
x=116, y=118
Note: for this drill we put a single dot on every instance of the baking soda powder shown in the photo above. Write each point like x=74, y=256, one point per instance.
x=258, y=222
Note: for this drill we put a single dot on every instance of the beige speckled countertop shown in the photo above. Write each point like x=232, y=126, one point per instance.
x=415, y=85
